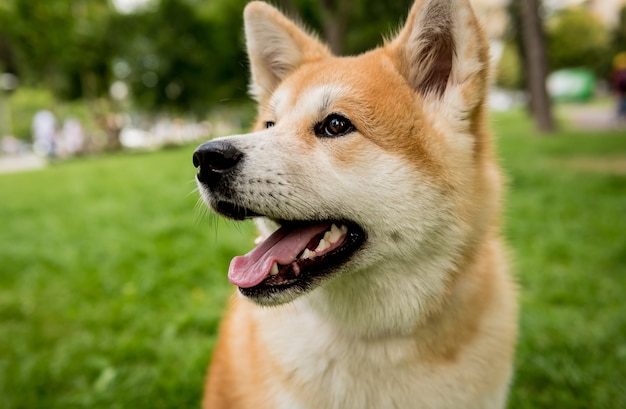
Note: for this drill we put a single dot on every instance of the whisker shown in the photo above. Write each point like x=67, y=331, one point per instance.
x=193, y=192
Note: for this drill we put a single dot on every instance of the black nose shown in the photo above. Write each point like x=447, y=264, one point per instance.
x=214, y=160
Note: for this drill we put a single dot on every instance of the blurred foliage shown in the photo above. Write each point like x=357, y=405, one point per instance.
x=60, y=43
x=169, y=55
x=509, y=69
x=188, y=56
x=514, y=52
x=176, y=56
x=363, y=21
x=578, y=39
x=25, y=103
x=575, y=39
x=619, y=34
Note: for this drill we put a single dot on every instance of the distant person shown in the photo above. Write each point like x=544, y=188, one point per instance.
x=44, y=130
x=73, y=137
x=618, y=80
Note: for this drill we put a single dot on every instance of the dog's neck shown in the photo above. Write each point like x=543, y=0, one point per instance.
x=372, y=305
x=406, y=298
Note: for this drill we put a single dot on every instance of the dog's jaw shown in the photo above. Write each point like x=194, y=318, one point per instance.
x=270, y=275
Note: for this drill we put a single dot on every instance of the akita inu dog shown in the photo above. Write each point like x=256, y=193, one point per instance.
x=380, y=281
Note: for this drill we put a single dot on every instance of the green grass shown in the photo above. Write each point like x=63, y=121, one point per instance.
x=112, y=279
x=111, y=283
x=566, y=224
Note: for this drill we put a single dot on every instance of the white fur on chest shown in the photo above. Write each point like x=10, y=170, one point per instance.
x=324, y=367
x=324, y=364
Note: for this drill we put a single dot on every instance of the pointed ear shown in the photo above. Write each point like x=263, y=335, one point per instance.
x=276, y=47
x=442, y=50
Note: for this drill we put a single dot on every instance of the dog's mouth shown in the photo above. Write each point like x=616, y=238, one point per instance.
x=297, y=256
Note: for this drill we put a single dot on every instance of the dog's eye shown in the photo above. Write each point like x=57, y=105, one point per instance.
x=334, y=125
x=269, y=124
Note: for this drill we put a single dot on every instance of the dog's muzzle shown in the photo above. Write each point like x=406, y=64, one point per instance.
x=215, y=160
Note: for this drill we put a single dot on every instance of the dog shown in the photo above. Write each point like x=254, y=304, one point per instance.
x=381, y=279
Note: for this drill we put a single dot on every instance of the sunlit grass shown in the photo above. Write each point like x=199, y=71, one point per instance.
x=113, y=280
x=566, y=224
x=111, y=283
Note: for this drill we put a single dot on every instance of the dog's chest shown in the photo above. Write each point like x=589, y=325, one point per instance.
x=325, y=369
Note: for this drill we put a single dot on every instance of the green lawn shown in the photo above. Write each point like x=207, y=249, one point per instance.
x=113, y=278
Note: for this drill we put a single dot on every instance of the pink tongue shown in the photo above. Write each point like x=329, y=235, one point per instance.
x=282, y=247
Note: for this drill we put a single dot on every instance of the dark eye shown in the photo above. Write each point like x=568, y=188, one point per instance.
x=334, y=125
x=269, y=124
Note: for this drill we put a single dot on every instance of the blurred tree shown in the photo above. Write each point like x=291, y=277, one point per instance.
x=7, y=55
x=59, y=44
x=195, y=56
x=536, y=65
x=349, y=27
x=175, y=58
x=370, y=18
x=335, y=16
x=176, y=55
x=330, y=17
x=577, y=39
x=515, y=37
x=618, y=40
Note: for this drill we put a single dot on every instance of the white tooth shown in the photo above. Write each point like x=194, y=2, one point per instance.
x=307, y=254
x=327, y=236
x=343, y=229
x=274, y=269
x=335, y=234
x=322, y=246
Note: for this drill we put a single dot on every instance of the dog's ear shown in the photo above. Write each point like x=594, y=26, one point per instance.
x=276, y=47
x=443, y=53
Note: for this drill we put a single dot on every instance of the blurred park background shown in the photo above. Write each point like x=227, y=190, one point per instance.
x=113, y=277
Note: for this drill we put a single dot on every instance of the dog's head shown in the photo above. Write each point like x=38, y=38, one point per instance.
x=355, y=161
